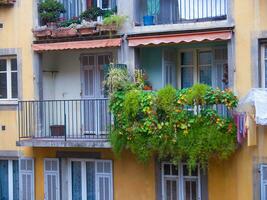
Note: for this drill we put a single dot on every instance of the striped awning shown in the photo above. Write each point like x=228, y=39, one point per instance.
x=180, y=38
x=88, y=44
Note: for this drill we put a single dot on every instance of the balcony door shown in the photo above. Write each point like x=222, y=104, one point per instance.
x=94, y=107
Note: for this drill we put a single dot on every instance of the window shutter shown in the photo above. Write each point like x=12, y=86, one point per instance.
x=104, y=180
x=27, y=179
x=51, y=172
x=263, y=182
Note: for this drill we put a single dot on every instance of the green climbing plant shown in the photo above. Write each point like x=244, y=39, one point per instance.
x=166, y=123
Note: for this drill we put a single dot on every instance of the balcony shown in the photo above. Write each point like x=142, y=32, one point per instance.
x=159, y=12
x=64, y=123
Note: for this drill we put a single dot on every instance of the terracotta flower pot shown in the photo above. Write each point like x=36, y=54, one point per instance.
x=52, y=25
x=64, y=32
x=87, y=31
x=107, y=28
x=40, y=34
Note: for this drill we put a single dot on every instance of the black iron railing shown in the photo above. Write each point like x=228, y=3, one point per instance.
x=64, y=119
x=180, y=11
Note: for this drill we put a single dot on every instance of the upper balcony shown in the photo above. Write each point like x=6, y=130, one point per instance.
x=170, y=15
x=76, y=20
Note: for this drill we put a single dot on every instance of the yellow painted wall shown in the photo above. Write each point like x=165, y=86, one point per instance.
x=16, y=33
x=131, y=180
x=228, y=180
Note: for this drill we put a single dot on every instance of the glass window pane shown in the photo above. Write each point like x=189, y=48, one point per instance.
x=76, y=180
x=14, y=64
x=187, y=58
x=174, y=170
x=105, y=4
x=171, y=187
x=3, y=85
x=14, y=82
x=187, y=77
x=90, y=180
x=167, y=169
x=15, y=180
x=205, y=75
x=4, y=179
x=2, y=65
x=186, y=172
x=205, y=58
x=190, y=189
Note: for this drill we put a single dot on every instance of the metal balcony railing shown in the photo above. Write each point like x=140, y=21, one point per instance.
x=180, y=11
x=64, y=119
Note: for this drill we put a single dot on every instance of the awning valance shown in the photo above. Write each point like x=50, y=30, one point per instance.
x=88, y=44
x=180, y=38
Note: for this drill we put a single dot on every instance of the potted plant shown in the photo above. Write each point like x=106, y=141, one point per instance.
x=112, y=23
x=87, y=28
x=91, y=14
x=50, y=11
x=153, y=8
x=64, y=32
x=42, y=32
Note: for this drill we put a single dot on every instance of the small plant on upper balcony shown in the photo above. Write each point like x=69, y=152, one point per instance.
x=112, y=23
x=50, y=11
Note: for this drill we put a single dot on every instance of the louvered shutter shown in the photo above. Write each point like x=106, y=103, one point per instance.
x=51, y=171
x=263, y=182
x=104, y=180
x=27, y=179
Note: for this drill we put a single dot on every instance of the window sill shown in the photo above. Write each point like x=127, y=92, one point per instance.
x=7, y=102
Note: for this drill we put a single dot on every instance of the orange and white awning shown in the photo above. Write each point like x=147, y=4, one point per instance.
x=88, y=44
x=180, y=38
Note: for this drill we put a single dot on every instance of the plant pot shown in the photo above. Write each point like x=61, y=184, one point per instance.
x=148, y=20
x=51, y=25
x=64, y=32
x=107, y=28
x=40, y=34
x=87, y=31
x=57, y=130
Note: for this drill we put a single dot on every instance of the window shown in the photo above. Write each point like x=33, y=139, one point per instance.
x=8, y=78
x=27, y=179
x=203, y=66
x=51, y=173
x=179, y=184
x=263, y=170
x=9, y=179
x=91, y=179
x=74, y=8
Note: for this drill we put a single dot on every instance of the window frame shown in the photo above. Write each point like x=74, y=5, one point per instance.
x=263, y=67
x=28, y=172
x=52, y=173
x=196, y=64
x=83, y=174
x=180, y=179
x=263, y=183
x=10, y=176
x=9, y=72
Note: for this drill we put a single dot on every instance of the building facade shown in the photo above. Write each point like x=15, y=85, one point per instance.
x=54, y=116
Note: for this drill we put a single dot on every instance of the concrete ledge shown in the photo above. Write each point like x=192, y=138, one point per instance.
x=62, y=143
x=10, y=154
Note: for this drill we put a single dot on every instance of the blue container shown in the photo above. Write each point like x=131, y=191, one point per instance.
x=148, y=20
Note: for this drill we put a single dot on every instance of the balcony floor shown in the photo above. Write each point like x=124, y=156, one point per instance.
x=83, y=143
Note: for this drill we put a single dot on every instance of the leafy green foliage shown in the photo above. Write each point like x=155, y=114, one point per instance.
x=50, y=10
x=149, y=123
x=117, y=79
x=166, y=98
x=69, y=22
x=91, y=14
x=117, y=20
